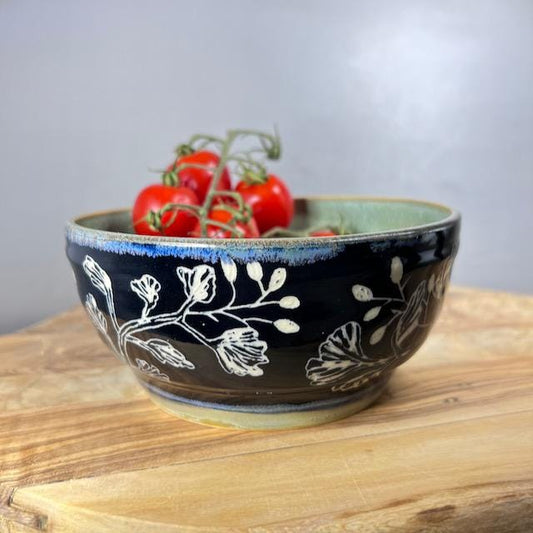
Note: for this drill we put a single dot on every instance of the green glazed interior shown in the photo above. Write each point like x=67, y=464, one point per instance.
x=366, y=215
x=353, y=215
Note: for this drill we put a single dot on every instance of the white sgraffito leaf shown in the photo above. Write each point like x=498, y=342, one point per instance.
x=99, y=321
x=230, y=269
x=396, y=270
x=167, y=354
x=344, y=341
x=362, y=293
x=327, y=371
x=97, y=275
x=440, y=282
x=377, y=335
x=342, y=363
x=147, y=288
x=199, y=282
x=365, y=373
x=96, y=316
x=439, y=288
x=431, y=283
x=372, y=313
x=286, y=326
x=289, y=302
x=410, y=318
x=184, y=274
x=255, y=271
x=151, y=370
x=240, y=352
x=277, y=279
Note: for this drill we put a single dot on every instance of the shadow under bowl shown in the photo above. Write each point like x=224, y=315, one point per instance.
x=269, y=333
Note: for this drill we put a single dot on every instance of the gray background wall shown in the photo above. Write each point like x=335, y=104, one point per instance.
x=431, y=100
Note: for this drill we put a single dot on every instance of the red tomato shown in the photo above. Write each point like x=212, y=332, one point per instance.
x=248, y=230
x=155, y=197
x=199, y=179
x=271, y=202
x=323, y=233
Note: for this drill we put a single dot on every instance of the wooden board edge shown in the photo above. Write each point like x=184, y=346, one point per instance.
x=490, y=507
x=487, y=508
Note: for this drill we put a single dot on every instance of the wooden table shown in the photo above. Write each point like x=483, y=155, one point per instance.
x=449, y=447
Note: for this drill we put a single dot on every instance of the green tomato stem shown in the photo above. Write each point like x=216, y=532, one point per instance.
x=278, y=231
x=236, y=196
x=237, y=214
x=270, y=146
x=271, y=143
x=154, y=218
x=171, y=177
x=213, y=186
x=200, y=141
x=234, y=230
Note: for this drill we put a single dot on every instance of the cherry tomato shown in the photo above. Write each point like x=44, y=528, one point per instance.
x=271, y=202
x=323, y=233
x=199, y=179
x=248, y=230
x=155, y=197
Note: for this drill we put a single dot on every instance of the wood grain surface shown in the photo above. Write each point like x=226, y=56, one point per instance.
x=448, y=447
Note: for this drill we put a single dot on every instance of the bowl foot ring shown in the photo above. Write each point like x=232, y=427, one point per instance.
x=284, y=418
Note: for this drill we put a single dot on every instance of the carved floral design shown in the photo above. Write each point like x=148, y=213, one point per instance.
x=239, y=350
x=342, y=362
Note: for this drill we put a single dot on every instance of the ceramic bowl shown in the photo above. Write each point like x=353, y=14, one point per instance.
x=268, y=333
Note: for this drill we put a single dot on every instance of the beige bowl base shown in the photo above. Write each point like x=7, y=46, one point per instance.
x=265, y=421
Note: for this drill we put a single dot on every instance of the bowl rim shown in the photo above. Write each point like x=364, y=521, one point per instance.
x=74, y=226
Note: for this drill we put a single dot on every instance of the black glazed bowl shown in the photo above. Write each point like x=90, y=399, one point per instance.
x=269, y=333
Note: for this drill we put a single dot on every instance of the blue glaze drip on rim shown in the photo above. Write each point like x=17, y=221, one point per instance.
x=290, y=255
x=274, y=408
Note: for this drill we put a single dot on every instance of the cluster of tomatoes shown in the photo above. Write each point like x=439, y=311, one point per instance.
x=185, y=204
